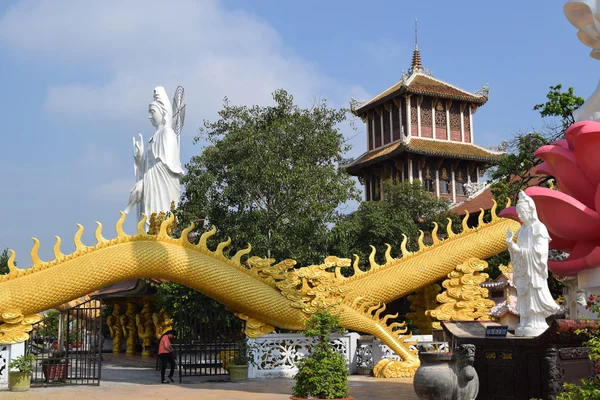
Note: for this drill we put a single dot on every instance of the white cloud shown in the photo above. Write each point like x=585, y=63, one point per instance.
x=211, y=51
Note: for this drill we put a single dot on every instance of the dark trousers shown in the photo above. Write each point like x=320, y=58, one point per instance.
x=166, y=358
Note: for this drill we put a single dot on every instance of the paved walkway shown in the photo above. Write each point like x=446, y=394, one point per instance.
x=132, y=379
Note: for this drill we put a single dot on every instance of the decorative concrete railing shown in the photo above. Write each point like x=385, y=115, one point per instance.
x=276, y=355
x=370, y=350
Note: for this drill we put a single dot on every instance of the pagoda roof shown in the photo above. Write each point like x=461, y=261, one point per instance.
x=426, y=147
x=421, y=82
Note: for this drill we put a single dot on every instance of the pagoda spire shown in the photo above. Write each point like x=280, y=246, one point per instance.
x=416, y=65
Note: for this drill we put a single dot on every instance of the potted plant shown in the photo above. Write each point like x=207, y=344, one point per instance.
x=20, y=380
x=55, y=367
x=238, y=362
x=323, y=374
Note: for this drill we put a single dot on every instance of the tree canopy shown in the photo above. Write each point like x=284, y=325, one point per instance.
x=405, y=209
x=270, y=176
x=4, y=262
x=515, y=171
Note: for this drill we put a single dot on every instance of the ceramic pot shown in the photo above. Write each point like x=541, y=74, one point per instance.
x=19, y=381
x=238, y=372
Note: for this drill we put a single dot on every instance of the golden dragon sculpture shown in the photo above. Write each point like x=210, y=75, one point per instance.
x=263, y=293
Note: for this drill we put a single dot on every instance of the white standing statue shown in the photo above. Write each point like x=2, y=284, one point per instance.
x=158, y=171
x=529, y=256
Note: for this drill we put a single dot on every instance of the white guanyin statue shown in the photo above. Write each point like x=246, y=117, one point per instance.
x=157, y=172
x=529, y=256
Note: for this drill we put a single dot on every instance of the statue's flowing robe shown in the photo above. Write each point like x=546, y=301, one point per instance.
x=162, y=171
x=530, y=271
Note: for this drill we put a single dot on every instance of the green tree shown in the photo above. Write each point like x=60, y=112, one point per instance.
x=270, y=176
x=4, y=262
x=405, y=209
x=561, y=105
x=515, y=171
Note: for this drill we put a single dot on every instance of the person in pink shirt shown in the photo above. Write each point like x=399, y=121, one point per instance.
x=165, y=353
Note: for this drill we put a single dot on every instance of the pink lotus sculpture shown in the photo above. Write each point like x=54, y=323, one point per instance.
x=572, y=215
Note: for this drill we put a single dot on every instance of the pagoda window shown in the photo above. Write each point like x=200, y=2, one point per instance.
x=467, y=124
x=426, y=118
x=377, y=119
x=440, y=121
x=455, y=122
x=429, y=178
x=461, y=179
x=396, y=121
x=376, y=188
x=415, y=169
x=386, y=126
x=474, y=177
x=445, y=182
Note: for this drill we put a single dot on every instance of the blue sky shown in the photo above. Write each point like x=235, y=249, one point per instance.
x=78, y=76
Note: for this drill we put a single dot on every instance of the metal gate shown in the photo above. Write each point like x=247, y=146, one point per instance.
x=203, y=337
x=67, y=346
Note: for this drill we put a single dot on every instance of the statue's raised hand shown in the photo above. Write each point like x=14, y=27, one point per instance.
x=138, y=148
x=509, y=240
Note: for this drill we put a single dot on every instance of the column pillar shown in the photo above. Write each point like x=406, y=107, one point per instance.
x=448, y=105
x=408, y=117
x=471, y=123
x=433, y=126
x=462, y=122
x=437, y=182
x=453, y=186
x=410, y=169
x=373, y=132
x=400, y=119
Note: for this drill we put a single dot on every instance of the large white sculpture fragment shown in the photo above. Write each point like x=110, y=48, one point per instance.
x=158, y=171
x=529, y=256
x=585, y=16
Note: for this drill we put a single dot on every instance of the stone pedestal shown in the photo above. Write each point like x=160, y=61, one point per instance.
x=521, y=368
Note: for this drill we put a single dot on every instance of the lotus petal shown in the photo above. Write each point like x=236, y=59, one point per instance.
x=511, y=213
x=544, y=169
x=562, y=143
x=571, y=179
x=561, y=244
x=557, y=242
x=587, y=149
x=568, y=267
x=565, y=216
x=572, y=132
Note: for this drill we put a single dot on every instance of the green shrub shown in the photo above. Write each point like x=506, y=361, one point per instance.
x=23, y=363
x=589, y=388
x=323, y=374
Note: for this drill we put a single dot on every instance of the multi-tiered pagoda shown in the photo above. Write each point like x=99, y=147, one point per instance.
x=421, y=128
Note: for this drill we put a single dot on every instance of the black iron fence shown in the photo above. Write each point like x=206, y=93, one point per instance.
x=203, y=340
x=67, y=346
